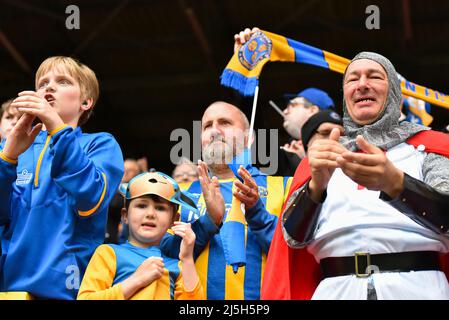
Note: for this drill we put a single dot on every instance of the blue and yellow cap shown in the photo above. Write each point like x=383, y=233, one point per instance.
x=159, y=184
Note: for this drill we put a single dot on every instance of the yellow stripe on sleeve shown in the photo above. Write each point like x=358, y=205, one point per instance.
x=88, y=213
x=12, y=161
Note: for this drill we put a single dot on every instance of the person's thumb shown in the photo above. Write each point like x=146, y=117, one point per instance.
x=365, y=146
x=35, y=131
x=335, y=134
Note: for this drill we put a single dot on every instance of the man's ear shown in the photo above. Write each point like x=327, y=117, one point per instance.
x=315, y=109
x=124, y=214
x=87, y=104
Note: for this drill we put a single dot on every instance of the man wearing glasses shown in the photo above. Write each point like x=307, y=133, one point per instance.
x=300, y=108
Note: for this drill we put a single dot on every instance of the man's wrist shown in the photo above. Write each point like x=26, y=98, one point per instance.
x=252, y=205
x=396, y=186
x=216, y=221
x=254, y=210
x=315, y=193
x=188, y=260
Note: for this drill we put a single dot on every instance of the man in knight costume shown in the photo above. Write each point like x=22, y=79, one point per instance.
x=370, y=206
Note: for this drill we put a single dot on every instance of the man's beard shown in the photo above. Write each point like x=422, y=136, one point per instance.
x=220, y=152
x=216, y=153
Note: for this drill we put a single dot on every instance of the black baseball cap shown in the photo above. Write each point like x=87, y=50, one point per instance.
x=309, y=128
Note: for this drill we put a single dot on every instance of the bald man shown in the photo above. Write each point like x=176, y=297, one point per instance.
x=259, y=198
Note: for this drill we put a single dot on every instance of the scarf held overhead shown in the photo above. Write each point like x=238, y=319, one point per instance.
x=244, y=68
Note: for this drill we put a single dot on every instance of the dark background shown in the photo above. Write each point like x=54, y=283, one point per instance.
x=159, y=61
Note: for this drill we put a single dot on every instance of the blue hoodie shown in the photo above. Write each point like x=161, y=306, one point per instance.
x=53, y=204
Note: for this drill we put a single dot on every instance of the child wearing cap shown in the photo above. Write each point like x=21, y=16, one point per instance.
x=137, y=269
x=56, y=183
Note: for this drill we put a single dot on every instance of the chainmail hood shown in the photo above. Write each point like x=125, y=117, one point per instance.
x=386, y=132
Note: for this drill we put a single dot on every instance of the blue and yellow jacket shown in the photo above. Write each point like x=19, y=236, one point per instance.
x=2, y=226
x=53, y=203
x=111, y=264
x=218, y=279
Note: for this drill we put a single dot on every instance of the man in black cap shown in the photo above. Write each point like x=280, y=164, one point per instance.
x=319, y=126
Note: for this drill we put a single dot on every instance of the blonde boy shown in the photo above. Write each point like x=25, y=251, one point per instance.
x=56, y=183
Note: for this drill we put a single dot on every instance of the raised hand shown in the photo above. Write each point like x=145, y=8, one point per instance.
x=189, y=274
x=295, y=146
x=21, y=136
x=372, y=169
x=243, y=36
x=211, y=192
x=248, y=191
x=184, y=230
x=323, y=154
x=29, y=102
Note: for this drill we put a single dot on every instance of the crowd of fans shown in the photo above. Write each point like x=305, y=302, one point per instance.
x=349, y=185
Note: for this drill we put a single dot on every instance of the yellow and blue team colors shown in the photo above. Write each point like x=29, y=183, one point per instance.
x=244, y=68
x=416, y=111
x=111, y=264
x=218, y=278
x=15, y=295
x=53, y=206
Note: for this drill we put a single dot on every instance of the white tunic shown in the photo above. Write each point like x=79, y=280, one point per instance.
x=354, y=219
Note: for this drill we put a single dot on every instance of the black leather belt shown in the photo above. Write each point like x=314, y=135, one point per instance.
x=363, y=264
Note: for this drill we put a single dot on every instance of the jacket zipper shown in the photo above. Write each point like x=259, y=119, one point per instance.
x=39, y=162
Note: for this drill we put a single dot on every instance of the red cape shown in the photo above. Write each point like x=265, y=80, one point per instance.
x=293, y=274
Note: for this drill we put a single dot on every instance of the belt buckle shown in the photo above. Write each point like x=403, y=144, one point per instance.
x=368, y=263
